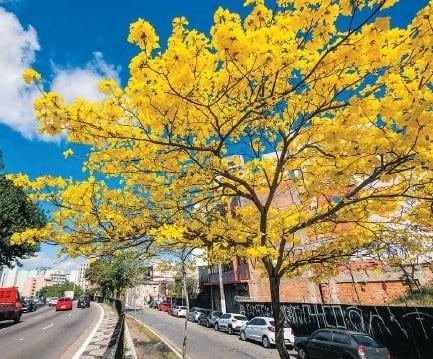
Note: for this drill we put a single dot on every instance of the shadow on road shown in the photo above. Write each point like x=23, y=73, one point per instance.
x=6, y=324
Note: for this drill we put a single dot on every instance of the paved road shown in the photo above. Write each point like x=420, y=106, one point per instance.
x=202, y=342
x=46, y=334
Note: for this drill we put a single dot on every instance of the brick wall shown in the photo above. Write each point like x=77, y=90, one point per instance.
x=371, y=287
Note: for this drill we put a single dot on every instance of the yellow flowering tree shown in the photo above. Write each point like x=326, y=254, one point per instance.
x=326, y=102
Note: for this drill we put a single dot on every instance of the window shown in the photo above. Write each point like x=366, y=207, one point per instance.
x=366, y=341
x=261, y=321
x=253, y=321
x=225, y=316
x=340, y=338
x=239, y=317
x=323, y=336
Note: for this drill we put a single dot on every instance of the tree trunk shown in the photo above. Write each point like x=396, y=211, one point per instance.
x=274, y=282
x=185, y=290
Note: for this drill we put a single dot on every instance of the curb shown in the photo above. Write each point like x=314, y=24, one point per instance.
x=129, y=342
x=163, y=339
x=83, y=347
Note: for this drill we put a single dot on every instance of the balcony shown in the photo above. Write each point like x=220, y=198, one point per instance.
x=238, y=274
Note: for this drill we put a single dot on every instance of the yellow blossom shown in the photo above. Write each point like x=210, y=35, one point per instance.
x=68, y=153
x=30, y=75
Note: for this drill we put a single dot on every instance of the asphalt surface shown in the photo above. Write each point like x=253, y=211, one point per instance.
x=202, y=342
x=45, y=333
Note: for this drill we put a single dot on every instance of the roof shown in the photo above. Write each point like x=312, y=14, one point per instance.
x=345, y=331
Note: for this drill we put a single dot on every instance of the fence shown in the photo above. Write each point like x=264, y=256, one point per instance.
x=406, y=331
x=116, y=344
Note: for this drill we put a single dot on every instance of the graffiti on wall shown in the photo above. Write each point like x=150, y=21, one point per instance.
x=406, y=331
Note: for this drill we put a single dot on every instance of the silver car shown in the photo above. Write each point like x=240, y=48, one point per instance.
x=231, y=322
x=262, y=329
x=194, y=313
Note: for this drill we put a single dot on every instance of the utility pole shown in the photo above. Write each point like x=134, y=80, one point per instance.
x=222, y=296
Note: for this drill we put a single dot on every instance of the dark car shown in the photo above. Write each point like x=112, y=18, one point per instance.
x=28, y=305
x=335, y=343
x=209, y=319
x=153, y=304
x=83, y=302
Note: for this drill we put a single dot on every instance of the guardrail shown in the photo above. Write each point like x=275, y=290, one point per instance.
x=116, y=344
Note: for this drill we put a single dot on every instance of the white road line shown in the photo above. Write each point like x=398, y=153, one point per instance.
x=37, y=317
x=2, y=329
x=21, y=339
x=49, y=326
x=80, y=351
x=71, y=313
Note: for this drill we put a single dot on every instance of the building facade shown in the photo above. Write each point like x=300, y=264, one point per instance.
x=83, y=282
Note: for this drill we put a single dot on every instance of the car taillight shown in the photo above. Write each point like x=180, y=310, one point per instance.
x=18, y=306
x=271, y=328
x=361, y=351
x=387, y=354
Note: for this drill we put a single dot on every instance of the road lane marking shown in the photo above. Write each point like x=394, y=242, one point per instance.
x=2, y=329
x=49, y=326
x=69, y=314
x=37, y=317
x=83, y=347
x=21, y=339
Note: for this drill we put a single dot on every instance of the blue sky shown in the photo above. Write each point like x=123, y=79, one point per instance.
x=74, y=43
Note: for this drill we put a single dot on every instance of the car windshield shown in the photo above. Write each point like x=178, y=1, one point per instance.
x=240, y=317
x=366, y=341
x=182, y=307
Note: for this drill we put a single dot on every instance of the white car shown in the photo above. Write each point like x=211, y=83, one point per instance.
x=180, y=311
x=262, y=329
x=52, y=301
x=230, y=322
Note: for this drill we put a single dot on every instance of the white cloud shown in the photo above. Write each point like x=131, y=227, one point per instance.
x=17, y=52
x=18, y=47
x=83, y=82
x=44, y=260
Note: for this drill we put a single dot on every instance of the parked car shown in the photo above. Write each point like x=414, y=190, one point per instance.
x=153, y=304
x=173, y=309
x=209, y=319
x=10, y=304
x=230, y=322
x=64, y=304
x=28, y=305
x=83, y=302
x=52, y=301
x=195, y=313
x=180, y=311
x=329, y=343
x=262, y=329
x=192, y=312
x=164, y=307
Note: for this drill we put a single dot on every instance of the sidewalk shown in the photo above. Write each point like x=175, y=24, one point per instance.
x=99, y=343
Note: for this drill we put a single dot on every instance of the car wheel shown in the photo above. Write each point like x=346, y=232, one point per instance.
x=17, y=318
x=243, y=336
x=230, y=330
x=265, y=342
x=207, y=324
x=217, y=328
x=302, y=354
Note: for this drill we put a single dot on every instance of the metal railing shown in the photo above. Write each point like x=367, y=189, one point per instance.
x=116, y=345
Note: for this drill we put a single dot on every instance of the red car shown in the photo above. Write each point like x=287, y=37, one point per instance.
x=10, y=304
x=164, y=307
x=64, y=304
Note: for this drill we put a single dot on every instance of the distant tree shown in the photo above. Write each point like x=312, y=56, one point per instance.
x=114, y=274
x=17, y=213
x=58, y=290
